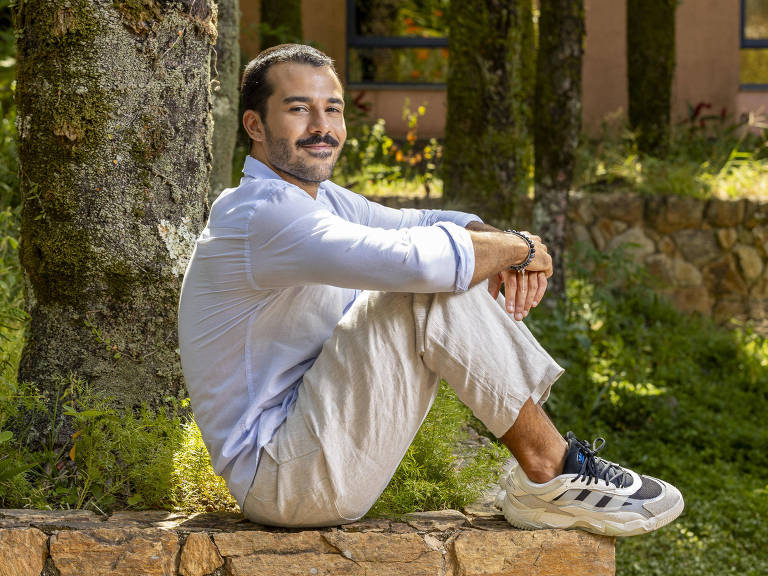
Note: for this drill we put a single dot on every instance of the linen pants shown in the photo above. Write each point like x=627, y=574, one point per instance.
x=362, y=402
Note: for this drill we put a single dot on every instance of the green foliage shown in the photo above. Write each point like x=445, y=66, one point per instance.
x=677, y=397
x=374, y=163
x=707, y=156
x=114, y=459
x=429, y=477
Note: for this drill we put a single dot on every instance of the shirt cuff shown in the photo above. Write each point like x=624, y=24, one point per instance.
x=464, y=252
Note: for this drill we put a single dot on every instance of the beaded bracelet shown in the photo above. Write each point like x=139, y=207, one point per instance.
x=531, y=252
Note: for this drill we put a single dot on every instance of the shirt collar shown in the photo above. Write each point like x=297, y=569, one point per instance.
x=257, y=169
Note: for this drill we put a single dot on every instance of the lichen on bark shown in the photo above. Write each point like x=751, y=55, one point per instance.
x=114, y=137
x=557, y=123
x=488, y=145
x=650, y=69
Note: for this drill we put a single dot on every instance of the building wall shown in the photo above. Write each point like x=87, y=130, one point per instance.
x=707, y=63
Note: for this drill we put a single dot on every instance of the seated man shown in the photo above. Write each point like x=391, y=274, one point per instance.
x=314, y=326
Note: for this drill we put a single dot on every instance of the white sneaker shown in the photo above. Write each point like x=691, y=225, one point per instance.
x=592, y=494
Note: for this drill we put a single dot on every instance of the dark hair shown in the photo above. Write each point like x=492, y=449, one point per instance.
x=255, y=89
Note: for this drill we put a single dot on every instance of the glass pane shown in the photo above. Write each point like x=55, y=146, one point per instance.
x=754, y=66
x=756, y=20
x=398, y=65
x=414, y=18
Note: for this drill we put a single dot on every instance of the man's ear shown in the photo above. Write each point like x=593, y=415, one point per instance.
x=254, y=126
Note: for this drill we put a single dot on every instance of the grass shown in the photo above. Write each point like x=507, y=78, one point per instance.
x=676, y=397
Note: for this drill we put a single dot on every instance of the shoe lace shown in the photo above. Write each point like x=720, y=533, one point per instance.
x=595, y=468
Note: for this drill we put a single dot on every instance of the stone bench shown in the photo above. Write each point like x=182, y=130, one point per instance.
x=446, y=543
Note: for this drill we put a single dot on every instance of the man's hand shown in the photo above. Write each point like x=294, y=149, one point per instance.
x=520, y=295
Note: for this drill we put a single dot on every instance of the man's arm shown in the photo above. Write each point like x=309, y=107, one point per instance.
x=495, y=252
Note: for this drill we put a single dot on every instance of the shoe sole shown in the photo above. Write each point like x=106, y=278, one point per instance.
x=525, y=518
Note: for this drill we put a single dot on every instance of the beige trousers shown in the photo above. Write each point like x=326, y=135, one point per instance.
x=363, y=400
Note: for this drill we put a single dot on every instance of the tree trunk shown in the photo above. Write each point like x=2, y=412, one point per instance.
x=650, y=68
x=557, y=123
x=114, y=147
x=226, y=121
x=280, y=22
x=488, y=148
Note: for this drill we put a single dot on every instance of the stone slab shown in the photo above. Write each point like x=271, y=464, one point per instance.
x=22, y=551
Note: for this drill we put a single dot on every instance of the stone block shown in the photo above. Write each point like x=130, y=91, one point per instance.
x=245, y=543
x=755, y=213
x=299, y=564
x=675, y=213
x=750, y=262
x=666, y=246
x=579, y=235
x=439, y=520
x=731, y=308
x=374, y=547
x=636, y=243
x=580, y=208
x=610, y=228
x=22, y=551
x=536, y=553
x=727, y=237
x=621, y=206
x=722, y=213
x=199, y=556
x=697, y=246
x=723, y=279
x=692, y=299
x=115, y=552
x=660, y=266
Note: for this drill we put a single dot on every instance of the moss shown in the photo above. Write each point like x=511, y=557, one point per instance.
x=650, y=68
x=139, y=15
x=488, y=144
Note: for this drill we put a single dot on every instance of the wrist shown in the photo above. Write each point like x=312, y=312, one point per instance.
x=524, y=251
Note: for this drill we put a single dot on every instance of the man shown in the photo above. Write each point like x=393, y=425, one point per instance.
x=314, y=326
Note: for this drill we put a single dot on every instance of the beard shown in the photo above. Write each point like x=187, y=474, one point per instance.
x=283, y=156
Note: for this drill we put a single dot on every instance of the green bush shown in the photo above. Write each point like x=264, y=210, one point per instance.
x=676, y=397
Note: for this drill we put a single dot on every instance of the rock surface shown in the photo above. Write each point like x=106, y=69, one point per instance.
x=444, y=543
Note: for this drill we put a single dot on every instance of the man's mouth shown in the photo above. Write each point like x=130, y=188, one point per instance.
x=320, y=146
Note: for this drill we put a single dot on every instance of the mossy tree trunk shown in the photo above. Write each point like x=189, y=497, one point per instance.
x=115, y=127
x=226, y=70
x=557, y=123
x=488, y=147
x=650, y=68
x=280, y=22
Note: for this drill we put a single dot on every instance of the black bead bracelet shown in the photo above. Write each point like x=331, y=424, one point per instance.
x=531, y=251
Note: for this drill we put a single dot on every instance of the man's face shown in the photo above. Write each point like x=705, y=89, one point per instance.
x=304, y=127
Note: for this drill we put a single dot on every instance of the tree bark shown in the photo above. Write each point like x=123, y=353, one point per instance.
x=280, y=22
x=225, y=69
x=115, y=127
x=488, y=145
x=650, y=69
x=557, y=123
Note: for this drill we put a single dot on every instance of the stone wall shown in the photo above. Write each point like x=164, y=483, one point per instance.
x=709, y=256
x=157, y=543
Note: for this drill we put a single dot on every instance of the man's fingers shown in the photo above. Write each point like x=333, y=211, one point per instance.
x=532, y=280
x=542, y=287
x=494, y=285
x=520, y=295
x=510, y=289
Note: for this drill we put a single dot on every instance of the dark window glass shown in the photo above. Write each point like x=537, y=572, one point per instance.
x=756, y=19
x=397, y=41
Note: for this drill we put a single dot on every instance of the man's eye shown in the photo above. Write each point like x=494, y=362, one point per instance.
x=298, y=109
x=334, y=110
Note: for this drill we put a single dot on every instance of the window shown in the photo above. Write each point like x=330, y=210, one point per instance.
x=754, y=44
x=397, y=42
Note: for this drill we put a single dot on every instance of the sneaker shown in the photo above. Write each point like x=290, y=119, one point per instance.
x=592, y=494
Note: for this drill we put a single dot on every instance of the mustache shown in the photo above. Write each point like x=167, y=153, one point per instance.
x=317, y=139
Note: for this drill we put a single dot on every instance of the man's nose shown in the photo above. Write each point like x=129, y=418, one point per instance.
x=319, y=122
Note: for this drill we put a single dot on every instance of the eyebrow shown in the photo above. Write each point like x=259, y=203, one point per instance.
x=306, y=99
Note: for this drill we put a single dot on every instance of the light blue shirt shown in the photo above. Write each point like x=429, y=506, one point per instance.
x=271, y=275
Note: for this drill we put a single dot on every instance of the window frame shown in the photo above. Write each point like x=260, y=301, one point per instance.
x=749, y=42
x=354, y=40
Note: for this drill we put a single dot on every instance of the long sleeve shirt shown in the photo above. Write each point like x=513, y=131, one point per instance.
x=271, y=275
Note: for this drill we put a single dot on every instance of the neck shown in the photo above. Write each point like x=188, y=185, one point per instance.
x=308, y=187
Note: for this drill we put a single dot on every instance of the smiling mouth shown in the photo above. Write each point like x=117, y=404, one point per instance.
x=319, y=150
